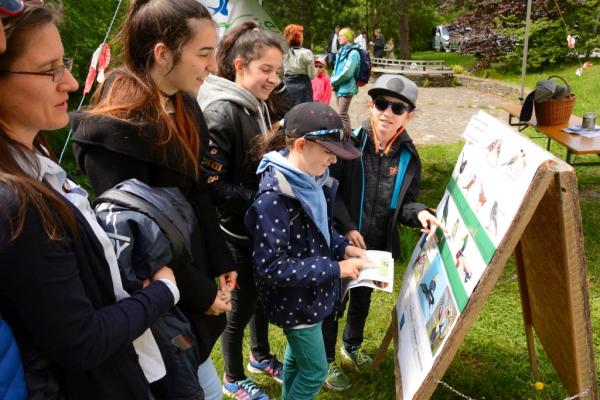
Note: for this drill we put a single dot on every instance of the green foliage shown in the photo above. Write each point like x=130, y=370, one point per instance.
x=425, y=82
x=454, y=59
x=458, y=69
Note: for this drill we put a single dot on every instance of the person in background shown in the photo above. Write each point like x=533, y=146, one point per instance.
x=234, y=102
x=298, y=66
x=12, y=380
x=321, y=85
x=333, y=46
x=145, y=124
x=345, y=72
x=378, y=44
x=299, y=258
x=366, y=212
x=64, y=301
x=361, y=40
x=389, y=48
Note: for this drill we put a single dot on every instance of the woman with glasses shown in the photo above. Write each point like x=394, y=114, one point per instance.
x=59, y=292
x=299, y=258
x=377, y=192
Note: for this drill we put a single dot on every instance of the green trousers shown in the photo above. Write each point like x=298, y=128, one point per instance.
x=305, y=363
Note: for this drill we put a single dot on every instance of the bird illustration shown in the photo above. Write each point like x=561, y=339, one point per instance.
x=482, y=198
x=463, y=164
x=221, y=8
x=445, y=210
x=471, y=182
x=454, y=228
x=428, y=290
x=492, y=145
x=494, y=217
x=460, y=252
x=420, y=263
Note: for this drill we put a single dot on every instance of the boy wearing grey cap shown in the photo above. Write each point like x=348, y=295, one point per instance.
x=377, y=191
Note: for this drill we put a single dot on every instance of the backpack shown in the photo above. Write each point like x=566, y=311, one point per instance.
x=364, y=70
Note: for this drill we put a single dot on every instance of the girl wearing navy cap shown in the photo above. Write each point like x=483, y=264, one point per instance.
x=299, y=258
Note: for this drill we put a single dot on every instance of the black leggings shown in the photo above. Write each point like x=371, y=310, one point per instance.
x=360, y=301
x=246, y=309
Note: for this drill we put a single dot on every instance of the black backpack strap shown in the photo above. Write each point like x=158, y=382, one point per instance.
x=133, y=202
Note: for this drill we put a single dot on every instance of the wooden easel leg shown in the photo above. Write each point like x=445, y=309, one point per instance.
x=527, y=320
x=385, y=343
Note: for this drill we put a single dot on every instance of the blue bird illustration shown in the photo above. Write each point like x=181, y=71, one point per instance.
x=221, y=8
x=428, y=290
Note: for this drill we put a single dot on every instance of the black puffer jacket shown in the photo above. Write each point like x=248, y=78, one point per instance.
x=234, y=117
x=110, y=151
x=370, y=178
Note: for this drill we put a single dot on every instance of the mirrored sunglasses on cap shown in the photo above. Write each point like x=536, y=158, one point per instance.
x=11, y=7
x=334, y=141
x=398, y=108
x=336, y=135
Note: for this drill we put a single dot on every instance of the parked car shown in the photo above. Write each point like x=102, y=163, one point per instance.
x=444, y=40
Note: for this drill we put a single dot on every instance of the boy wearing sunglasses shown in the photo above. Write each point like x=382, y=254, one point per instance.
x=377, y=191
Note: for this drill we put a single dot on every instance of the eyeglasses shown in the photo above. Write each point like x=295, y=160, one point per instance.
x=56, y=73
x=397, y=108
x=336, y=135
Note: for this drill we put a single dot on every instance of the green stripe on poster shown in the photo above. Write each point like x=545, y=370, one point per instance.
x=478, y=233
x=455, y=283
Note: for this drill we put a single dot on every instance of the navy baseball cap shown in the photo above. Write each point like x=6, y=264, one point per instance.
x=322, y=124
x=11, y=7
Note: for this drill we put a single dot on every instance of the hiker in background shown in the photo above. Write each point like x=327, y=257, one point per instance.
x=389, y=49
x=333, y=46
x=378, y=44
x=250, y=61
x=377, y=192
x=321, y=85
x=361, y=40
x=64, y=300
x=145, y=124
x=345, y=72
x=299, y=257
x=298, y=66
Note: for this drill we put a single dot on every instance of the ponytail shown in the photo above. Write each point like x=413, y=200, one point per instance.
x=245, y=41
x=273, y=140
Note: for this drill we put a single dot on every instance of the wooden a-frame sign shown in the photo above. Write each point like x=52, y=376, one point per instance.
x=546, y=237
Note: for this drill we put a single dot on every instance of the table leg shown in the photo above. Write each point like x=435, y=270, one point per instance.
x=568, y=156
x=548, y=145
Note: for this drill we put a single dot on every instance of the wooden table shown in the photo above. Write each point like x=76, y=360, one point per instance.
x=575, y=144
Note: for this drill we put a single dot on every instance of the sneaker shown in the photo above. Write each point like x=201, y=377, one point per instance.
x=269, y=366
x=243, y=390
x=336, y=378
x=359, y=359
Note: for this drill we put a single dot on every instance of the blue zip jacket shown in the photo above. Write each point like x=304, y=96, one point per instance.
x=298, y=277
x=345, y=72
x=12, y=380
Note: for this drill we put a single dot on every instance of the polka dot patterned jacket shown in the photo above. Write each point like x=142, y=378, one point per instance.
x=298, y=277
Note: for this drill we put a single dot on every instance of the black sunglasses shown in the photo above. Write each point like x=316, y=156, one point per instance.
x=331, y=135
x=397, y=108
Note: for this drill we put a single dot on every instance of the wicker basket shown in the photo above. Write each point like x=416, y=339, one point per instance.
x=555, y=112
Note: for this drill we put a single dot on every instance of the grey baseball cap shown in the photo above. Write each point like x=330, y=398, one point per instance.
x=396, y=86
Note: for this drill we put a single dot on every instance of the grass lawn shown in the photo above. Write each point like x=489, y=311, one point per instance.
x=493, y=361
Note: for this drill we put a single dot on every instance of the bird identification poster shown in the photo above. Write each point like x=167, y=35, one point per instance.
x=489, y=182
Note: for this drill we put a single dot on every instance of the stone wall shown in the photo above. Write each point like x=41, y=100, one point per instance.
x=490, y=86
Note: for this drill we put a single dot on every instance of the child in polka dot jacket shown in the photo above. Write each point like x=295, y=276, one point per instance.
x=295, y=249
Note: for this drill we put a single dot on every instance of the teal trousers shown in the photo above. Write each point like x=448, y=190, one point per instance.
x=305, y=363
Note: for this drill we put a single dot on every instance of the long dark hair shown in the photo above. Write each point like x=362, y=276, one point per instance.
x=131, y=92
x=245, y=41
x=28, y=192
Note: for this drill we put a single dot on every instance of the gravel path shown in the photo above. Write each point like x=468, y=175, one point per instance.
x=442, y=113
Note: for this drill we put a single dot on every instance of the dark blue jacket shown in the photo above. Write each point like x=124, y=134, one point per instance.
x=298, y=278
x=12, y=381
